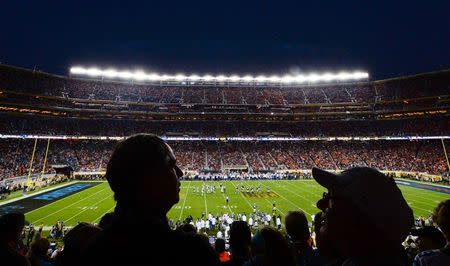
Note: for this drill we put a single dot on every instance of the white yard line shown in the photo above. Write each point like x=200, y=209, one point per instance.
x=206, y=204
x=109, y=197
x=270, y=203
x=279, y=194
x=61, y=199
x=305, y=190
x=249, y=204
x=292, y=192
x=68, y=206
x=98, y=218
x=184, y=201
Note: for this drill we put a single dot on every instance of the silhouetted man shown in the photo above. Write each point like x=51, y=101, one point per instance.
x=366, y=217
x=144, y=177
x=11, y=226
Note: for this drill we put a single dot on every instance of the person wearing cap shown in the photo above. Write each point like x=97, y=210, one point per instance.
x=144, y=176
x=428, y=238
x=441, y=256
x=11, y=226
x=366, y=217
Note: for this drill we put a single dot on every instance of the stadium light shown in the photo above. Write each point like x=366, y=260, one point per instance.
x=141, y=75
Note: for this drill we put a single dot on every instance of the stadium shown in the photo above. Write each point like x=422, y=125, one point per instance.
x=237, y=132
x=256, y=134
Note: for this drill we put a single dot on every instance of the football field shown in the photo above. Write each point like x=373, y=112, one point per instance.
x=92, y=202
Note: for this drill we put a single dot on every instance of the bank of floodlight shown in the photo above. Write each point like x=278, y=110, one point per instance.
x=140, y=75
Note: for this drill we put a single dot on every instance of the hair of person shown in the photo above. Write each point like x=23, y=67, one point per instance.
x=40, y=247
x=188, y=228
x=240, y=235
x=441, y=216
x=133, y=159
x=276, y=248
x=297, y=225
x=219, y=245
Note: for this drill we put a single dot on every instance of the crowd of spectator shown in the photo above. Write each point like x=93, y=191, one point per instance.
x=7, y=186
x=91, y=127
x=425, y=156
x=15, y=79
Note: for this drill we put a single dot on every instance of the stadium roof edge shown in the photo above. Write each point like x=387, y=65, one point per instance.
x=123, y=81
x=413, y=75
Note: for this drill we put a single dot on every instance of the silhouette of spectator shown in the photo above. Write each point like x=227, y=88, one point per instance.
x=325, y=251
x=143, y=174
x=219, y=246
x=366, y=218
x=74, y=241
x=441, y=217
x=240, y=243
x=188, y=228
x=428, y=238
x=269, y=247
x=106, y=220
x=11, y=226
x=37, y=255
x=300, y=239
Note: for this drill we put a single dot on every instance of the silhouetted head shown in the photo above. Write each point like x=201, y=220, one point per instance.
x=441, y=216
x=297, y=226
x=240, y=238
x=11, y=226
x=106, y=220
x=143, y=173
x=363, y=209
x=219, y=245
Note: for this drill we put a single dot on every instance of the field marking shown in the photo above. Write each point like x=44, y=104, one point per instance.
x=185, y=198
x=411, y=194
x=415, y=206
x=98, y=218
x=228, y=205
x=269, y=201
x=96, y=204
x=76, y=194
x=206, y=204
x=306, y=190
x=290, y=202
x=242, y=195
x=301, y=196
x=68, y=206
x=36, y=193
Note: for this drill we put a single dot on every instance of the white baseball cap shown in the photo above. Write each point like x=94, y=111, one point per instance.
x=373, y=193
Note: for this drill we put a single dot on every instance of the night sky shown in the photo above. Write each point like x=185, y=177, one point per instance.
x=386, y=38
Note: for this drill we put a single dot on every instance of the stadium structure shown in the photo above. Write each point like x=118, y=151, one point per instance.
x=234, y=127
x=226, y=123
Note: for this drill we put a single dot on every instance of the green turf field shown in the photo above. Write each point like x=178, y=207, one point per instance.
x=90, y=205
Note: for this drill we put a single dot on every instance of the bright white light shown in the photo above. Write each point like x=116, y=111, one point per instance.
x=153, y=76
x=180, y=77
x=110, y=73
x=164, y=77
x=207, y=77
x=125, y=75
x=194, y=77
x=141, y=75
x=234, y=78
x=247, y=78
x=274, y=79
x=220, y=78
x=261, y=78
x=287, y=79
